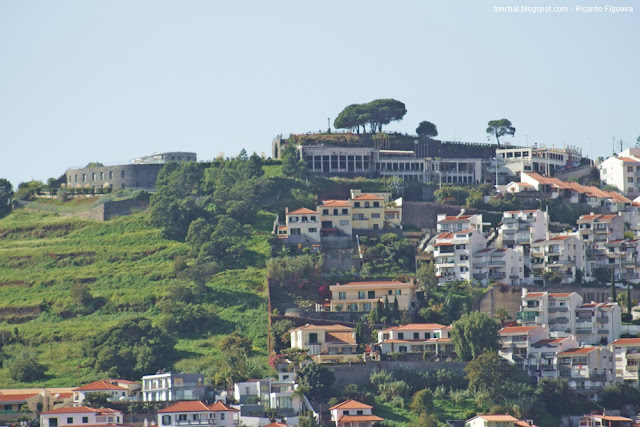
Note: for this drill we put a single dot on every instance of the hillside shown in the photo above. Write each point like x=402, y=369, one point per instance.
x=128, y=266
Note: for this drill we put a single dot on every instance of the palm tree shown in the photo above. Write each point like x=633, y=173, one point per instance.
x=502, y=315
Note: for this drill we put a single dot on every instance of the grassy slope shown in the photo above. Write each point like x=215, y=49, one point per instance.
x=128, y=263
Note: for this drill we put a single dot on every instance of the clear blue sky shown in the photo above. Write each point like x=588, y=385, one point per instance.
x=108, y=81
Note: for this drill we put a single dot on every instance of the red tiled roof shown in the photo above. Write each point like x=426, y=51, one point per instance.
x=499, y=418
x=577, y=350
x=559, y=238
x=302, y=211
x=325, y=327
x=99, y=385
x=340, y=338
x=336, y=203
x=276, y=425
x=517, y=329
x=534, y=294
x=377, y=282
x=625, y=341
x=628, y=160
x=221, y=406
x=445, y=236
x=186, y=406
x=16, y=397
x=561, y=294
x=455, y=218
x=412, y=326
x=78, y=410
x=359, y=418
x=123, y=381
x=351, y=404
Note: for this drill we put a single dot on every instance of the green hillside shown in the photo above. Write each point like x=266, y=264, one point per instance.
x=128, y=266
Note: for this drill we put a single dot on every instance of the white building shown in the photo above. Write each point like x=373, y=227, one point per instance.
x=352, y=413
x=515, y=342
x=449, y=223
x=546, y=161
x=586, y=368
x=453, y=251
x=169, y=386
x=303, y=225
x=561, y=255
x=622, y=171
x=598, y=323
x=326, y=343
x=118, y=390
x=198, y=414
x=498, y=265
x=520, y=228
x=271, y=393
x=493, y=421
x=416, y=338
x=79, y=415
x=626, y=354
x=556, y=309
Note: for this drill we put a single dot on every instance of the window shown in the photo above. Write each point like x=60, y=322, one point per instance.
x=464, y=257
x=371, y=294
x=85, y=420
x=630, y=179
x=110, y=174
x=84, y=177
x=294, y=231
x=182, y=417
x=366, y=204
x=93, y=176
x=376, y=204
x=359, y=412
x=375, y=215
x=630, y=169
x=367, y=306
x=325, y=211
x=416, y=335
x=356, y=204
x=53, y=422
x=121, y=174
x=461, y=246
x=313, y=230
x=400, y=335
x=345, y=412
x=166, y=420
x=344, y=222
x=221, y=415
x=342, y=295
x=361, y=294
x=345, y=211
x=398, y=291
x=313, y=338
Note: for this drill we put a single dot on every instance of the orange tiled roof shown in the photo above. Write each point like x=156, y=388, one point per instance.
x=15, y=397
x=99, y=385
x=628, y=160
x=499, y=418
x=368, y=196
x=336, y=327
x=186, y=406
x=302, y=211
x=378, y=283
x=534, y=294
x=623, y=341
x=412, y=326
x=359, y=418
x=78, y=410
x=336, y=203
x=517, y=329
x=340, y=338
x=577, y=350
x=221, y=406
x=561, y=294
x=351, y=404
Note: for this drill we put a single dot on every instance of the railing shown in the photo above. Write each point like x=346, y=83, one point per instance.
x=558, y=309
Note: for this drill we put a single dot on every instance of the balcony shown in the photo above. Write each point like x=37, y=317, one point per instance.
x=527, y=315
x=497, y=275
x=558, y=309
x=583, y=330
x=602, y=319
x=497, y=262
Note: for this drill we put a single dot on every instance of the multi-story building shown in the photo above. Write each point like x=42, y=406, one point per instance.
x=622, y=171
x=586, y=368
x=626, y=354
x=416, y=338
x=169, y=386
x=368, y=212
x=352, y=413
x=547, y=161
x=598, y=323
x=453, y=253
x=520, y=228
x=115, y=389
x=401, y=164
x=346, y=161
x=494, y=421
x=81, y=415
x=363, y=296
x=303, y=225
x=335, y=217
x=198, y=414
x=451, y=224
x=326, y=343
x=556, y=309
x=543, y=361
x=498, y=265
x=562, y=255
x=166, y=157
x=276, y=394
x=515, y=342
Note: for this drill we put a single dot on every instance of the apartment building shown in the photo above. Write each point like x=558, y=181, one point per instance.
x=117, y=390
x=498, y=265
x=556, y=309
x=272, y=393
x=79, y=415
x=515, y=342
x=416, y=338
x=363, y=296
x=543, y=356
x=303, y=225
x=561, y=255
x=547, y=161
x=403, y=164
x=586, y=368
x=520, y=228
x=169, y=386
x=450, y=223
x=626, y=354
x=326, y=343
x=335, y=217
x=622, y=171
x=598, y=323
x=368, y=212
x=453, y=253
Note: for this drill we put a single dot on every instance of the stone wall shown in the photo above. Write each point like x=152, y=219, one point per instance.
x=109, y=210
x=359, y=373
x=121, y=176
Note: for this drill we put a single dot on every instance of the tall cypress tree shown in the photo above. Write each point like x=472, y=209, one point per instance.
x=614, y=295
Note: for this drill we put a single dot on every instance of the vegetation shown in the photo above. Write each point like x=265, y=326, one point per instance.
x=6, y=194
x=499, y=128
x=317, y=378
x=473, y=334
x=376, y=113
x=427, y=129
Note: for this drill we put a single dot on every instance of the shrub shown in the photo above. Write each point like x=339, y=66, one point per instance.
x=24, y=367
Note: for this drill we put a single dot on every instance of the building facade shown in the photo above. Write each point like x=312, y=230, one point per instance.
x=169, y=386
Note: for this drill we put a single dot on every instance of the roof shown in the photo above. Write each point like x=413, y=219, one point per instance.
x=628, y=159
x=351, y=404
x=413, y=326
x=359, y=418
x=578, y=350
x=99, y=385
x=534, y=294
x=575, y=187
x=498, y=418
x=545, y=342
x=517, y=329
x=340, y=337
x=335, y=327
x=611, y=417
x=302, y=211
x=336, y=203
x=455, y=218
x=276, y=425
x=16, y=397
x=445, y=236
x=122, y=381
x=368, y=196
x=376, y=283
x=197, y=406
x=626, y=341
x=521, y=184
x=78, y=410
x=561, y=294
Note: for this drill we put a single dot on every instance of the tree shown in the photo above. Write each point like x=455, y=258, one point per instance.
x=638, y=142
x=96, y=400
x=425, y=420
x=618, y=395
x=502, y=315
x=384, y=111
x=614, y=293
x=474, y=334
x=499, y=128
x=493, y=375
x=6, y=193
x=350, y=118
x=24, y=367
x=426, y=278
x=427, y=129
x=422, y=402
x=291, y=163
x=318, y=378
x=554, y=393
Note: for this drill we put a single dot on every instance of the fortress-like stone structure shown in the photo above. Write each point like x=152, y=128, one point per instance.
x=141, y=174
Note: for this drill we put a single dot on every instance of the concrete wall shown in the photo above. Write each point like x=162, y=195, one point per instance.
x=359, y=373
x=122, y=176
x=110, y=210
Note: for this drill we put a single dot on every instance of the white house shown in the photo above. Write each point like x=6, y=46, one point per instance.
x=117, y=390
x=622, y=171
x=303, y=225
x=556, y=309
x=169, y=386
x=79, y=415
x=271, y=393
x=626, y=354
x=416, y=338
x=326, y=343
x=562, y=255
x=352, y=413
x=198, y=414
x=498, y=265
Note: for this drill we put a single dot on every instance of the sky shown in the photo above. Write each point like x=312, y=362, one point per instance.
x=109, y=81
